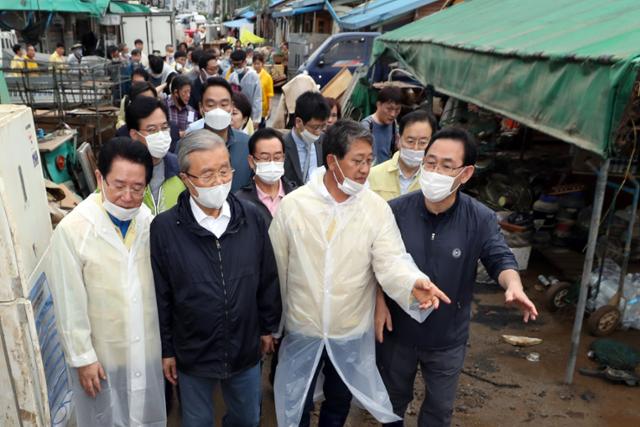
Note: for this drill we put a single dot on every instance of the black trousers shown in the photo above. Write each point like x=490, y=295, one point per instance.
x=398, y=365
x=335, y=408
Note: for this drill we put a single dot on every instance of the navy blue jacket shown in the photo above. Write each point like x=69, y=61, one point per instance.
x=447, y=248
x=171, y=166
x=215, y=297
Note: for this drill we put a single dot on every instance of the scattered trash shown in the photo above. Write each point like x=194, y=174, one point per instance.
x=588, y=396
x=614, y=375
x=486, y=380
x=548, y=281
x=617, y=355
x=61, y=201
x=533, y=357
x=520, y=341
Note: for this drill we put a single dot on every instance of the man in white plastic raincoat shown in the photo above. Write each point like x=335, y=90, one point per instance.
x=332, y=239
x=104, y=296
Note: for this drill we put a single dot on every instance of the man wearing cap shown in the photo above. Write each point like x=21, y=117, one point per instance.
x=76, y=55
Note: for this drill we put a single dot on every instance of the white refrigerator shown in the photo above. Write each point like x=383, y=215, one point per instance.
x=34, y=378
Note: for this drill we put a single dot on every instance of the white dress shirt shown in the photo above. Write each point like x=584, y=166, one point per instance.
x=217, y=226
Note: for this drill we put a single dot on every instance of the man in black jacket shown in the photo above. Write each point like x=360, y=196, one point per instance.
x=208, y=67
x=266, y=159
x=216, y=287
x=446, y=232
x=303, y=148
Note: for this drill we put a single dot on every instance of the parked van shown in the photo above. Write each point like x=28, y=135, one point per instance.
x=350, y=50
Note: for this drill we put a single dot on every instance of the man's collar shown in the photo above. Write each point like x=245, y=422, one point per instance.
x=448, y=212
x=393, y=163
x=200, y=216
x=296, y=138
x=262, y=194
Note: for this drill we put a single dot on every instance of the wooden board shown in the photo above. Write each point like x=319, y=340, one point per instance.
x=338, y=84
x=55, y=141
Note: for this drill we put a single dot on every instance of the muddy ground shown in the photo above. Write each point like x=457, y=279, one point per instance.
x=528, y=393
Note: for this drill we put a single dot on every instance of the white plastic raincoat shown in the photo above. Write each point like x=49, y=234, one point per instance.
x=327, y=255
x=106, y=311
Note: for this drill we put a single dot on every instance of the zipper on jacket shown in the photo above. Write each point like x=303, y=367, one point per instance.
x=433, y=236
x=226, y=312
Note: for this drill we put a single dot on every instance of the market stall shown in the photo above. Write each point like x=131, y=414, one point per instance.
x=562, y=68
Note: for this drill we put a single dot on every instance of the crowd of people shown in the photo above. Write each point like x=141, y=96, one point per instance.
x=340, y=248
x=245, y=71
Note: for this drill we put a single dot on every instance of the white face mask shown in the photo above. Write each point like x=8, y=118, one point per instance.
x=437, y=187
x=158, y=143
x=206, y=76
x=412, y=158
x=269, y=172
x=123, y=214
x=217, y=119
x=308, y=137
x=213, y=197
x=349, y=186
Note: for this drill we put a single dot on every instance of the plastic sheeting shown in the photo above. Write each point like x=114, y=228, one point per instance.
x=121, y=7
x=630, y=302
x=248, y=37
x=95, y=8
x=564, y=67
x=105, y=304
x=329, y=256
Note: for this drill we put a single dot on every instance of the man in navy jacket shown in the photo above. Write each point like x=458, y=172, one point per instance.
x=216, y=286
x=446, y=232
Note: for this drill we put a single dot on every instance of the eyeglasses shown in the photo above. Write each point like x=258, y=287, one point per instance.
x=316, y=128
x=431, y=165
x=419, y=143
x=210, y=178
x=153, y=129
x=279, y=157
x=358, y=163
x=136, y=191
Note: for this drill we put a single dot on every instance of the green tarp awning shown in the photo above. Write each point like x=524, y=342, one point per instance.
x=122, y=7
x=564, y=67
x=92, y=7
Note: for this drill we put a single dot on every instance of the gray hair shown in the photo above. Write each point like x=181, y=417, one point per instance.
x=339, y=137
x=199, y=140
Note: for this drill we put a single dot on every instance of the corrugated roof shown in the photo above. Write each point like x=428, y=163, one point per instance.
x=565, y=28
x=378, y=11
x=299, y=7
x=564, y=67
